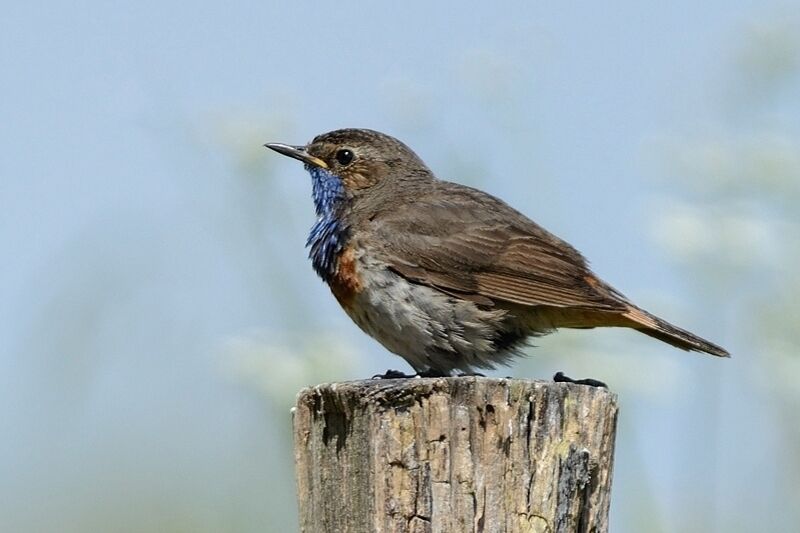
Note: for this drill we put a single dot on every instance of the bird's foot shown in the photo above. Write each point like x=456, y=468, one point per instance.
x=393, y=374
x=431, y=373
x=396, y=374
x=561, y=378
x=470, y=375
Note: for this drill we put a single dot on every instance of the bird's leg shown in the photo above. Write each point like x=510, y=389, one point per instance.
x=561, y=378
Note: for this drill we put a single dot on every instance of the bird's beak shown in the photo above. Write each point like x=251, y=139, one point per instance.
x=297, y=152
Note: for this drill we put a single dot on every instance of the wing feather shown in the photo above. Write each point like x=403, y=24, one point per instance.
x=467, y=242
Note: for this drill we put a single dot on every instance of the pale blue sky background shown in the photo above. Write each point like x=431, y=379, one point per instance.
x=155, y=290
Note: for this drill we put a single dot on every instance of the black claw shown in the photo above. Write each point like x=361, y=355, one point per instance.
x=431, y=373
x=561, y=378
x=396, y=374
x=392, y=374
x=471, y=375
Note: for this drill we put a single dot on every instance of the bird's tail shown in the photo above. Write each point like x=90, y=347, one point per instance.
x=664, y=331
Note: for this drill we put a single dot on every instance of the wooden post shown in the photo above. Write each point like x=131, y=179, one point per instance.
x=454, y=455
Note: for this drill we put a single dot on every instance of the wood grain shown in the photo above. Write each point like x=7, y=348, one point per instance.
x=454, y=455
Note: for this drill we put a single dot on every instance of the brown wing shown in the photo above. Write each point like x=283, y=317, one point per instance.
x=467, y=242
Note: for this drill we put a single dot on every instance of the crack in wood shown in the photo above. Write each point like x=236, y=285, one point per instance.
x=454, y=454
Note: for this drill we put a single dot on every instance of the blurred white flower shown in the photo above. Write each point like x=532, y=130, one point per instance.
x=279, y=371
x=728, y=234
x=763, y=163
x=682, y=230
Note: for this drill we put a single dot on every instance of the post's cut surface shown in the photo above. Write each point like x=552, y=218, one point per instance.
x=454, y=455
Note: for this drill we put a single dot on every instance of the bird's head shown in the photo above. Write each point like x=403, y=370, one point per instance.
x=355, y=174
x=357, y=159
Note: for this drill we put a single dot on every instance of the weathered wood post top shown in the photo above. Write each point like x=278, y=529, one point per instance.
x=454, y=455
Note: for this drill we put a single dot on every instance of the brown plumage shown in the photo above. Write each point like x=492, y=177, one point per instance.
x=445, y=275
x=470, y=244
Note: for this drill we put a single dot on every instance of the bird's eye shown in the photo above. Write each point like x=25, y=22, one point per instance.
x=344, y=157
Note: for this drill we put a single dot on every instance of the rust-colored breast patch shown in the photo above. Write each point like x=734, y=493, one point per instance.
x=346, y=283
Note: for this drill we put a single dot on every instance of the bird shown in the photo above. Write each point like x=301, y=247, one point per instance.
x=448, y=277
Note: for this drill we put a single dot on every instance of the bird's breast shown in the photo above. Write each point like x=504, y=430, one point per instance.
x=427, y=327
x=347, y=281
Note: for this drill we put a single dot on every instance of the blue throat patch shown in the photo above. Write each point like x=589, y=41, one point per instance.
x=328, y=235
